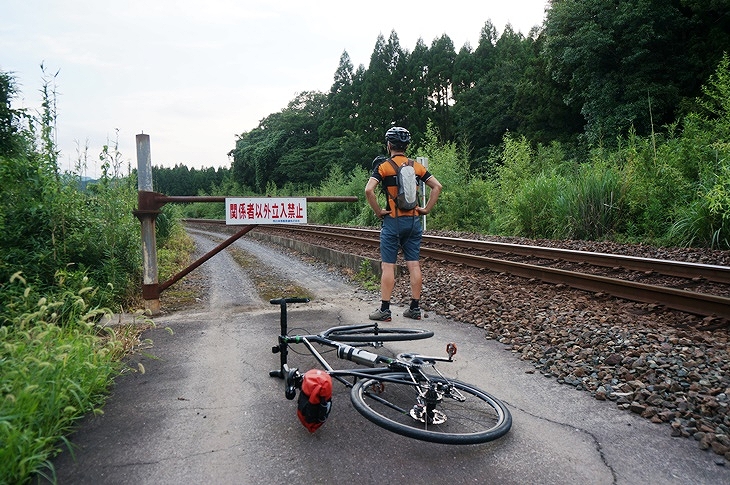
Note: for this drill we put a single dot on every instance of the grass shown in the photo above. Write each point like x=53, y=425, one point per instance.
x=366, y=277
x=54, y=368
x=268, y=284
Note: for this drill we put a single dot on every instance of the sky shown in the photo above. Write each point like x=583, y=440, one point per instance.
x=195, y=74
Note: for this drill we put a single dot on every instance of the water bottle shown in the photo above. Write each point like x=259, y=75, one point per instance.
x=359, y=356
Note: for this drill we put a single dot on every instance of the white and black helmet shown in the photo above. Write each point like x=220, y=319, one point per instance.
x=398, y=136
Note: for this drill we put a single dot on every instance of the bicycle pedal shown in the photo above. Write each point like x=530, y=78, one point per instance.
x=291, y=382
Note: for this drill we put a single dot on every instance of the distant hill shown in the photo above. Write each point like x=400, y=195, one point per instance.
x=84, y=181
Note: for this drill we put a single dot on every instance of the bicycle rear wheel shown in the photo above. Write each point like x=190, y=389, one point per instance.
x=375, y=333
x=393, y=405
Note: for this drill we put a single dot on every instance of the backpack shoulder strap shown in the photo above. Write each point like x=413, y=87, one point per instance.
x=390, y=180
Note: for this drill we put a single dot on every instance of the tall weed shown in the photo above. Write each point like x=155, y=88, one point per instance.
x=529, y=187
x=49, y=223
x=517, y=165
x=533, y=210
x=464, y=203
x=54, y=368
x=339, y=184
x=705, y=221
x=593, y=203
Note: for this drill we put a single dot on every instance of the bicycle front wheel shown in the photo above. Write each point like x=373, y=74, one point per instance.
x=462, y=415
x=375, y=333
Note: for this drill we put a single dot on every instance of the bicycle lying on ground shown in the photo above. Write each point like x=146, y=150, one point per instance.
x=406, y=394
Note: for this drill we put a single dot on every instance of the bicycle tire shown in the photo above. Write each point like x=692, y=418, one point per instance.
x=366, y=333
x=481, y=418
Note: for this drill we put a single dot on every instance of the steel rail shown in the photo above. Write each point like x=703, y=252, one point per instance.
x=686, y=301
x=682, y=269
x=682, y=300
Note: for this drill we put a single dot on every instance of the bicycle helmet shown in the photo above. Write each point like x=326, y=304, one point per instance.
x=398, y=136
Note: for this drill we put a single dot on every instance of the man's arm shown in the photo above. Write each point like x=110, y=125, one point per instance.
x=372, y=198
x=433, y=196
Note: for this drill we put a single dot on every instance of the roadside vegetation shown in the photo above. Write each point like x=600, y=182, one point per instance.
x=64, y=271
x=669, y=188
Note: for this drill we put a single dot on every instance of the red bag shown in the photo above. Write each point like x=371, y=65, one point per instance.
x=315, y=399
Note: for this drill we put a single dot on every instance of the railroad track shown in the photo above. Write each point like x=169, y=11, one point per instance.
x=544, y=266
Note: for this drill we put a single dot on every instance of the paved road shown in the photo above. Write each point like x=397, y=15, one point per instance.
x=206, y=411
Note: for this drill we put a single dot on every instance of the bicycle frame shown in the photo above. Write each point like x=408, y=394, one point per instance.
x=378, y=364
x=423, y=406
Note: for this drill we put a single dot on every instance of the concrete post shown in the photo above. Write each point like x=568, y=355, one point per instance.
x=147, y=216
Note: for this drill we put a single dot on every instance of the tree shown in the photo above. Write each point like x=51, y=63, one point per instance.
x=538, y=105
x=630, y=63
x=484, y=53
x=441, y=59
x=464, y=70
x=340, y=112
x=415, y=103
x=485, y=112
x=181, y=180
x=382, y=89
x=289, y=132
x=10, y=136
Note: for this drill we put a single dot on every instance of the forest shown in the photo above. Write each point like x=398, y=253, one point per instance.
x=595, y=71
x=608, y=121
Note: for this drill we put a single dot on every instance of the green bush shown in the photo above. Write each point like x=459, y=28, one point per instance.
x=533, y=209
x=516, y=166
x=705, y=220
x=338, y=184
x=50, y=224
x=468, y=208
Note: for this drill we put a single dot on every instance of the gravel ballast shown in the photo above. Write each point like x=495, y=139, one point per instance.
x=667, y=366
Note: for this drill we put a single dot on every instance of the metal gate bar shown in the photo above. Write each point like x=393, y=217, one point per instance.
x=205, y=257
x=149, y=204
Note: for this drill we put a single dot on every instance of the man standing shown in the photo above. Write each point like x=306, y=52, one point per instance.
x=400, y=228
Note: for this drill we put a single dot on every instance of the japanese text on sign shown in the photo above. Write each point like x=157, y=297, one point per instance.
x=266, y=210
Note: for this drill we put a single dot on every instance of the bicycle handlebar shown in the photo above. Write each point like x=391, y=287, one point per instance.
x=279, y=301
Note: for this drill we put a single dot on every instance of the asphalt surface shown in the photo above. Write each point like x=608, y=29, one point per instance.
x=206, y=411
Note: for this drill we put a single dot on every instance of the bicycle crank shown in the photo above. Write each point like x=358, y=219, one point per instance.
x=421, y=414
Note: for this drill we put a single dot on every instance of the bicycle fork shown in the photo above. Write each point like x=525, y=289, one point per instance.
x=292, y=377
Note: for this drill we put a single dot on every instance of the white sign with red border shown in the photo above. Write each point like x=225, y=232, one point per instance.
x=266, y=210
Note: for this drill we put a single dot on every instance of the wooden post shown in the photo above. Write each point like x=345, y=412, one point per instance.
x=147, y=216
